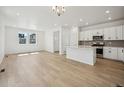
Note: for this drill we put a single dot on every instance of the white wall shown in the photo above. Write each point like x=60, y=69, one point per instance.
x=49, y=44
x=12, y=42
x=1, y=43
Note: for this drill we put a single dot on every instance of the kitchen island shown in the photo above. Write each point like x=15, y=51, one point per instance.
x=85, y=55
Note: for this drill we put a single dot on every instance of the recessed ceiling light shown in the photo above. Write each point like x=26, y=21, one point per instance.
x=55, y=24
x=66, y=24
x=14, y=25
x=107, y=11
x=74, y=25
x=87, y=23
x=81, y=20
x=109, y=18
x=18, y=14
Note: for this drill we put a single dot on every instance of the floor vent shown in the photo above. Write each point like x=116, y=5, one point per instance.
x=6, y=56
x=2, y=70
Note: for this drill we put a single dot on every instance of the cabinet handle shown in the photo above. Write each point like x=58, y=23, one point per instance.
x=122, y=50
x=109, y=51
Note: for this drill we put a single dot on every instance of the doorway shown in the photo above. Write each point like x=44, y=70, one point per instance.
x=56, y=42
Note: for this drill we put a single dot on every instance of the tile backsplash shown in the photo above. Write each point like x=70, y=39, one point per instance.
x=113, y=43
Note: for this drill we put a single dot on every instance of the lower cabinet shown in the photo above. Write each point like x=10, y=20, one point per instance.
x=121, y=54
x=106, y=52
x=110, y=52
x=113, y=53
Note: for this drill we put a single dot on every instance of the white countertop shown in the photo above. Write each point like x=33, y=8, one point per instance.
x=98, y=46
x=80, y=46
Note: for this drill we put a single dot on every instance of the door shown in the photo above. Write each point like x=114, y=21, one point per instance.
x=106, y=34
x=56, y=41
x=112, y=33
x=121, y=54
x=114, y=53
x=118, y=30
x=107, y=52
x=109, y=33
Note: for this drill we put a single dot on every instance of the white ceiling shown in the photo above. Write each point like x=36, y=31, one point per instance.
x=42, y=17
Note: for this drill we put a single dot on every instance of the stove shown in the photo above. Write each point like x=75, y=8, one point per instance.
x=99, y=48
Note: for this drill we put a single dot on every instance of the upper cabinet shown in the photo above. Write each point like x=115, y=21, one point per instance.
x=81, y=35
x=123, y=32
x=110, y=33
x=97, y=32
x=118, y=31
x=113, y=33
x=88, y=35
x=85, y=35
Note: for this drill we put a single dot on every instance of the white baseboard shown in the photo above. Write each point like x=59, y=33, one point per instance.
x=1, y=59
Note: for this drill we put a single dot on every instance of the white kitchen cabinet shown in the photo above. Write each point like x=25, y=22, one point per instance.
x=88, y=35
x=123, y=32
x=74, y=37
x=81, y=35
x=110, y=52
x=114, y=53
x=113, y=33
x=110, y=33
x=94, y=32
x=106, y=34
x=97, y=32
x=86, y=38
x=118, y=31
x=106, y=52
x=121, y=54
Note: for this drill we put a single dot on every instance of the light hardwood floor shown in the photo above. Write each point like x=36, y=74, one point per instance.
x=47, y=69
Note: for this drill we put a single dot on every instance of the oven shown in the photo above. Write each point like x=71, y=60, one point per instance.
x=99, y=52
x=99, y=48
x=98, y=43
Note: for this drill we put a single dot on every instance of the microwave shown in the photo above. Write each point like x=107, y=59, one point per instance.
x=97, y=38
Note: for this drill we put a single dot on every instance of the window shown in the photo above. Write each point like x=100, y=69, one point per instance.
x=22, y=38
x=32, y=39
